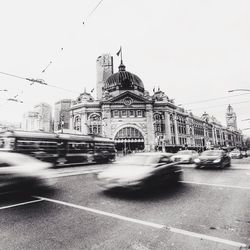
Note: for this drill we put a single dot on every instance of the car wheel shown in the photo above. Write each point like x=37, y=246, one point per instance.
x=177, y=178
x=198, y=166
x=223, y=165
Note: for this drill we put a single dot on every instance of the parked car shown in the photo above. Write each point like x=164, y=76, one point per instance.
x=19, y=172
x=213, y=158
x=139, y=171
x=244, y=153
x=185, y=156
x=236, y=154
x=248, y=152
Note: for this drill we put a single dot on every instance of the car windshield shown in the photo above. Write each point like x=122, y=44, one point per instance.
x=211, y=153
x=236, y=151
x=140, y=160
x=185, y=152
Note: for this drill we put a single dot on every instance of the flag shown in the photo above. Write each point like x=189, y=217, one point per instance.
x=120, y=50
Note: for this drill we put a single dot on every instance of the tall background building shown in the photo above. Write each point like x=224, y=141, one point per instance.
x=62, y=113
x=104, y=69
x=45, y=116
x=40, y=118
x=30, y=121
x=231, y=118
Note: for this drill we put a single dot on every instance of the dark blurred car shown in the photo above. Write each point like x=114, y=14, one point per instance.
x=19, y=172
x=213, y=158
x=185, y=156
x=140, y=171
x=236, y=154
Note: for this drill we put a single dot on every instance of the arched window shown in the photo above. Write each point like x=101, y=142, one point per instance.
x=95, y=124
x=128, y=132
x=77, y=123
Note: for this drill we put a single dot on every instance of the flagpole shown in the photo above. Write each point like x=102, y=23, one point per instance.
x=121, y=55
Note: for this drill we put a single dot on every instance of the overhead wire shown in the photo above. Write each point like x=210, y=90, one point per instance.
x=213, y=99
x=88, y=16
x=40, y=81
x=94, y=9
x=216, y=106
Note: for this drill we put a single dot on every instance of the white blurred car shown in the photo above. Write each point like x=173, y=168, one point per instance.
x=185, y=156
x=236, y=154
x=20, y=172
x=140, y=171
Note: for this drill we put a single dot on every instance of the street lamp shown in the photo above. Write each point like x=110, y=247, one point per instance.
x=233, y=90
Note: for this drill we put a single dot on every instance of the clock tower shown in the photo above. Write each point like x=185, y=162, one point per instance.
x=231, y=118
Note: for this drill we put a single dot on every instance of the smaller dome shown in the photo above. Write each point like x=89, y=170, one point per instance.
x=85, y=97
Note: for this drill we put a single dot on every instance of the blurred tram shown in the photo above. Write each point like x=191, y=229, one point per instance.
x=59, y=149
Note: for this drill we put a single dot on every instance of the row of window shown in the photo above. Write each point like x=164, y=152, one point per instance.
x=182, y=141
x=127, y=113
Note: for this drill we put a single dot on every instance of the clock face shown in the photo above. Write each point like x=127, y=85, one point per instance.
x=127, y=101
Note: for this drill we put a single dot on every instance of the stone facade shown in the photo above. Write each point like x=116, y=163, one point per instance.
x=137, y=121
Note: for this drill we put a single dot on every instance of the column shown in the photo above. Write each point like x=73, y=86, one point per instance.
x=106, y=121
x=167, y=128
x=84, y=121
x=149, y=139
x=176, y=130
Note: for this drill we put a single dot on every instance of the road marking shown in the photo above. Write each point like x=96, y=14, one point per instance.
x=21, y=204
x=58, y=175
x=147, y=223
x=215, y=185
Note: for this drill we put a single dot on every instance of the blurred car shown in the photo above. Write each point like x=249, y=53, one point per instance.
x=185, y=156
x=236, y=154
x=19, y=172
x=244, y=153
x=139, y=171
x=213, y=158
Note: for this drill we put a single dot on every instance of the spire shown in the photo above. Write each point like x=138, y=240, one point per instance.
x=122, y=67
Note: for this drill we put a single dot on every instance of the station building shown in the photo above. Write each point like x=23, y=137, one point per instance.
x=136, y=120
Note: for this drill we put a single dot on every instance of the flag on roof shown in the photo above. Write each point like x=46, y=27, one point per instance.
x=120, y=50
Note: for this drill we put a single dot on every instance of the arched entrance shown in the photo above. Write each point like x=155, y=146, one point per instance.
x=129, y=139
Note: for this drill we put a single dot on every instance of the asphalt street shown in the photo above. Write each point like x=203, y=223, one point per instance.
x=209, y=209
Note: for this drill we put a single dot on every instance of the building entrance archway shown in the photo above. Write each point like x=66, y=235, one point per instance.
x=129, y=139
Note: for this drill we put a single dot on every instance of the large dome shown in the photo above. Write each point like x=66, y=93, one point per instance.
x=124, y=80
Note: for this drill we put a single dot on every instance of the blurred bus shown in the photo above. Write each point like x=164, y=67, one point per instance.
x=59, y=149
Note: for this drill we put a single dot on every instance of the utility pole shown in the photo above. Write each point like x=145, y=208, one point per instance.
x=62, y=122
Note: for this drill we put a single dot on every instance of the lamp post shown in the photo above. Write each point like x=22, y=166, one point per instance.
x=234, y=90
x=62, y=123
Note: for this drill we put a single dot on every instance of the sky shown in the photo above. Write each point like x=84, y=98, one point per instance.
x=192, y=50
